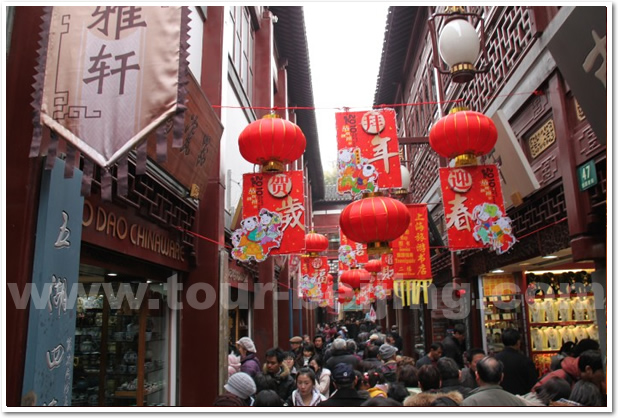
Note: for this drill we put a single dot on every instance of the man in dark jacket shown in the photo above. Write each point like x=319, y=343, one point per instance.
x=519, y=371
x=340, y=354
x=454, y=345
x=345, y=394
x=449, y=377
x=371, y=360
x=275, y=368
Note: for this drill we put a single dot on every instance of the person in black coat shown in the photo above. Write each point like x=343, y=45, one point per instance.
x=454, y=345
x=340, y=354
x=345, y=394
x=519, y=371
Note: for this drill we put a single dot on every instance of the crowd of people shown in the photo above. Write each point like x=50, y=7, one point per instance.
x=367, y=368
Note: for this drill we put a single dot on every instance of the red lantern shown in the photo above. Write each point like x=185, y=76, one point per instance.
x=374, y=266
x=315, y=243
x=463, y=135
x=346, y=294
x=272, y=142
x=330, y=278
x=356, y=278
x=375, y=220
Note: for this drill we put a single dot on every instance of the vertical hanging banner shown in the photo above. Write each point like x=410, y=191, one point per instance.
x=474, y=209
x=411, y=250
x=314, y=272
x=108, y=75
x=273, y=216
x=351, y=253
x=368, y=151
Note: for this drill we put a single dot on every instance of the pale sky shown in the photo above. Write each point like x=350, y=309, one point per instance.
x=345, y=47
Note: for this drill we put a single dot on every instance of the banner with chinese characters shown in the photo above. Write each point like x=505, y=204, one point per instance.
x=411, y=250
x=314, y=277
x=368, y=151
x=109, y=75
x=388, y=275
x=474, y=209
x=351, y=253
x=273, y=216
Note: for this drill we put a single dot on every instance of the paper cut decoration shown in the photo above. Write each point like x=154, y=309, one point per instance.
x=257, y=237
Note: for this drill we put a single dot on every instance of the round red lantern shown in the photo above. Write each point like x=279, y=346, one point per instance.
x=315, y=243
x=374, y=266
x=272, y=142
x=463, y=135
x=346, y=294
x=355, y=278
x=375, y=220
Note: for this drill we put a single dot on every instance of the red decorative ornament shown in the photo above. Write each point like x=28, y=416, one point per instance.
x=355, y=278
x=315, y=243
x=463, y=135
x=272, y=142
x=375, y=220
x=346, y=294
x=374, y=266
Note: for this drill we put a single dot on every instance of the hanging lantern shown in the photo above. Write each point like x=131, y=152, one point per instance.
x=374, y=266
x=355, y=278
x=346, y=294
x=315, y=243
x=463, y=135
x=375, y=220
x=272, y=142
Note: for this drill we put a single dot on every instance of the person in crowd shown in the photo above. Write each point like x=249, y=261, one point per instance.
x=489, y=374
x=238, y=390
x=296, y=346
x=371, y=360
x=308, y=351
x=565, y=351
x=322, y=375
x=345, y=393
x=394, y=339
x=362, y=384
x=405, y=360
x=318, y=344
x=340, y=354
x=428, y=378
x=387, y=353
x=430, y=398
x=446, y=401
x=264, y=382
x=275, y=368
x=408, y=376
x=306, y=392
x=468, y=374
x=397, y=391
x=267, y=397
x=381, y=335
x=343, y=332
x=454, y=345
x=377, y=383
x=551, y=391
x=520, y=374
x=435, y=352
x=588, y=366
x=352, y=348
x=289, y=360
x=233, y=364
x=249, y=362
x=586, y=393
x=306, y=339
x=449, y=377
x=380, y=401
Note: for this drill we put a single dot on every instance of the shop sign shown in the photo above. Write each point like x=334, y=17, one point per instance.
x=48, y=372
x=368, y=151
x=351, y=253
x=411, y=250
x=587, y=175
x=474, y=209
x=123, y=231
x=273, y=216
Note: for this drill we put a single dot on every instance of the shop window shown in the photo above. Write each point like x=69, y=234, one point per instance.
x=243, y=47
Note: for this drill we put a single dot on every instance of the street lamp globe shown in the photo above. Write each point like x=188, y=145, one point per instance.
x=459, y=46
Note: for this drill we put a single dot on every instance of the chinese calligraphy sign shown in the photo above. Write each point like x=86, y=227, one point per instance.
x=411, y=250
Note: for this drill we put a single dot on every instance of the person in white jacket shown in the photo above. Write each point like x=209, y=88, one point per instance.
x=322, y=375
x=306, y=392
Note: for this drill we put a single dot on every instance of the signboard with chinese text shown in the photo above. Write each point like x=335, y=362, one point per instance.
x=411, y=250
x=587, y=175
x=99, y=69
x=314, y=280
x=474, y=208
x=368, y=151
x=48, y=371
x=273, y=216
x=351, y=253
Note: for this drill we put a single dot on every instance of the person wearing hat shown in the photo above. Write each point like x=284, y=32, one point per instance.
x=344, y=380
x=454, y=345
x=238, y=391
x=295, y=344
x=388, y=354
x=249, y=362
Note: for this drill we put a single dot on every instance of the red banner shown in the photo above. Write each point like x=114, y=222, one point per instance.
x=411, y=250
x=273, y=216
x=351, y=253
x=474, y=208
x=368, y=158
x=314, y=277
